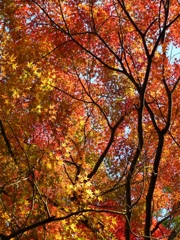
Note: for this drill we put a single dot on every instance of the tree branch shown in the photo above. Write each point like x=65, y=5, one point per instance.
x=8, y=145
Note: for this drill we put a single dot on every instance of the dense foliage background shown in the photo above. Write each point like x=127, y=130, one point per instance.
x=89, y=119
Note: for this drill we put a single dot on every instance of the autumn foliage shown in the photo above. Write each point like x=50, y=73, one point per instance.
x=89, y=119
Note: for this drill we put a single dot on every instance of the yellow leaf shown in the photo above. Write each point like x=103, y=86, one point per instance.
x=14, y=66
x=89, y=192
x=30, y=64
x=73, y=226
x=15, y=93
x=49, y=165
x=11, y=59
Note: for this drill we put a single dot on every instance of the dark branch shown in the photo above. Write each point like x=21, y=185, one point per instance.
x=8, y=145
x=101, y=158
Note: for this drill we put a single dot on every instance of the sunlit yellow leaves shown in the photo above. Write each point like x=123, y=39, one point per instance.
x=35, y=70
x=29, y=64
x=49, y=165
x=14, y=66
x=5, y=216
x=11, y=59
x=46, y=84
x=97, y=192
x=73, y=227
x=89, y=193
x=38, y=108
x=66, y=148
x=15, y=93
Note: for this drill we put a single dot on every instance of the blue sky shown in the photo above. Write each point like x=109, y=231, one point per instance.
x=174, y=52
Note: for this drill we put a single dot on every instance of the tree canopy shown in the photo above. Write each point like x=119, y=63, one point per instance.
x=89, y=119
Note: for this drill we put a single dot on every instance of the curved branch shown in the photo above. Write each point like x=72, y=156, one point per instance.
x=101, y=158
x=164, y=219
x=53, y=219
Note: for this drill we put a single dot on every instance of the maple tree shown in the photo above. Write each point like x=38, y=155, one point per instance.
x=89, y=119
